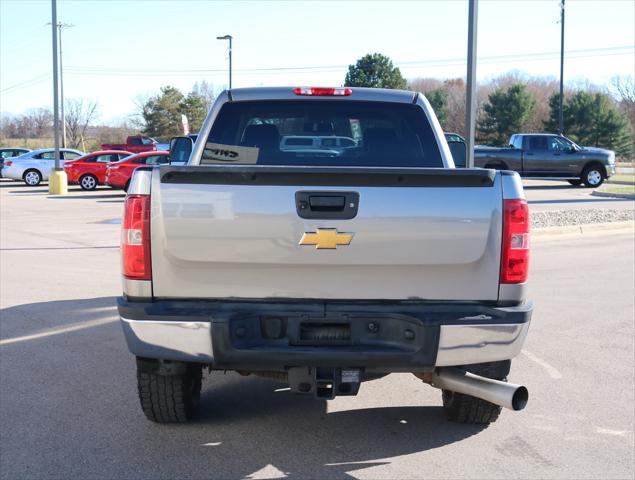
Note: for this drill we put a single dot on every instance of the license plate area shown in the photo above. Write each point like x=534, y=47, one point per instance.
x=324, y=333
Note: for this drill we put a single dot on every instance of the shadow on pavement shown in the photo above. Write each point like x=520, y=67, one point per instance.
x=297, y=436
x=82, y=387
x=32, y=318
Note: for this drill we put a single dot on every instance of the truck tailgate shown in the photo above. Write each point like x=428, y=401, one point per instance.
x=234, y=232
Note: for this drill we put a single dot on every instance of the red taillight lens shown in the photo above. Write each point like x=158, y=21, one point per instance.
x=135, y=238
x=8, y=163
x=515, y=257
x=323, y=92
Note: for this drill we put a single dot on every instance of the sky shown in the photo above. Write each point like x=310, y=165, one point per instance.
x=119, y=51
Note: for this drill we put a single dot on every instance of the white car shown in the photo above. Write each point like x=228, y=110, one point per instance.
x=34, y=167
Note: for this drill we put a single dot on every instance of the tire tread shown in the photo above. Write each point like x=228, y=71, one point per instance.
x=169, y=398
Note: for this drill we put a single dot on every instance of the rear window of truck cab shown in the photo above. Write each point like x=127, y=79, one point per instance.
x=322, y=133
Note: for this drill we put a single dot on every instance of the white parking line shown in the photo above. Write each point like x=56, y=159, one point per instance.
x=608, y=431
x=552, y=371
x=56, y=331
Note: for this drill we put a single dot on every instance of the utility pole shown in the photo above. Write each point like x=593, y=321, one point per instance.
x=470, y=107
x=561, y=98
x=60, y=26
x=230, y=38
x=63, y=117
x=57, y=179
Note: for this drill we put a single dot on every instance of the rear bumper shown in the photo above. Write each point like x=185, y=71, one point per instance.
x=272, y=336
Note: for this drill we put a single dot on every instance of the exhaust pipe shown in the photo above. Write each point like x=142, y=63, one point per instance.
x=505, y=394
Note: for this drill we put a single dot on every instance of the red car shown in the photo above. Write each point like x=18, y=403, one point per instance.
x=118, y=174
x=90, y=170
x=135, y=144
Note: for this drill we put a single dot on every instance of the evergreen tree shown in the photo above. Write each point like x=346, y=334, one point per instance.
x=438, y=99
x=506, y=112
x=592, y=119
x=375, y=70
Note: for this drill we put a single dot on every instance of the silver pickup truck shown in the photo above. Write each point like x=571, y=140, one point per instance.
x=325, y=269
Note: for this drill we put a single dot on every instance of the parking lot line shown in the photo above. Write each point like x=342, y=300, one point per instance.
x=57, y=331
x=552, y=371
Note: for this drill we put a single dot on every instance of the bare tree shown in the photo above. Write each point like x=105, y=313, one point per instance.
x=78, y=115
x=205, y=91
x=623, y=89
x=42, y=121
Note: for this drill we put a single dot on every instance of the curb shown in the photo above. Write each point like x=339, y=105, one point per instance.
x=627, y=196
x=618, y=182
x=612, y=227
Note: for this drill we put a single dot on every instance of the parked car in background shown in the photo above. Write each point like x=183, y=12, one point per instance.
x=457, y=147
x=549, y=156
x=135, y=144
x=34, y=167
x=90, y=170
x=118, y=174
x=10, y=152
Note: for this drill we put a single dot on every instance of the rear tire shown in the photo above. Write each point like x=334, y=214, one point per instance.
x=32, y=177
x=88, y=182
x=169, y=397
x=463, y=408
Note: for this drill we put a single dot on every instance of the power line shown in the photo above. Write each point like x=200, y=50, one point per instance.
x=26, y=83
x=582, y=53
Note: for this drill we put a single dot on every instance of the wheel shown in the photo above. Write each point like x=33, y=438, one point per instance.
x=88, y=182
x=32, y=178
x=575, y=183
x=593, y=176
x=172, y=396
x=463, y=408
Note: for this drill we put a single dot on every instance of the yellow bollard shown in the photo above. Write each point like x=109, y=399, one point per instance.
x=58, y=183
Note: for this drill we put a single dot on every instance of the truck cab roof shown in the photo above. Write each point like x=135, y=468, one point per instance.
x=287, y=93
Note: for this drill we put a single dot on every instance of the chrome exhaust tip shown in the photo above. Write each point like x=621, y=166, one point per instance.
x=508, y=395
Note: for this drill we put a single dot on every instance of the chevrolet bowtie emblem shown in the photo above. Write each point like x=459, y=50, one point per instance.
x=326, y=238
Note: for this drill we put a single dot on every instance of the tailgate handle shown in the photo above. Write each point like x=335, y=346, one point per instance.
x=326, y=205
x=329, y=203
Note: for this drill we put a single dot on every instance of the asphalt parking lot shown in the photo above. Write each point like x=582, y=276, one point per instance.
x=68, y=406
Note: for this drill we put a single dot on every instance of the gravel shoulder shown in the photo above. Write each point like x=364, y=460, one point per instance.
x=562, y=218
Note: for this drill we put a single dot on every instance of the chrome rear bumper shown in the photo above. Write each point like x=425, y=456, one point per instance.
x=408, y=341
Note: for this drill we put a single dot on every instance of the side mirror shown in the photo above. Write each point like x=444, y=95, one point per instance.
x=459, y=153
x=180, y=149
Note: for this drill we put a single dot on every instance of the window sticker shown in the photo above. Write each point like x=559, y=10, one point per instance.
x=216, y=153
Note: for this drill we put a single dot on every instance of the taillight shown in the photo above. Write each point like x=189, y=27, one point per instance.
x=135, y=238
x=323, y=92
x=515, y=255
x=8, y=163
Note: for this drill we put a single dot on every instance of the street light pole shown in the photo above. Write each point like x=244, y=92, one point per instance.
x=230, y=38
x=470, y=100
x=561, y=98
x=57, y=178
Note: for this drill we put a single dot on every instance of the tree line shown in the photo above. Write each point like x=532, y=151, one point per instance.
x=512, y=103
